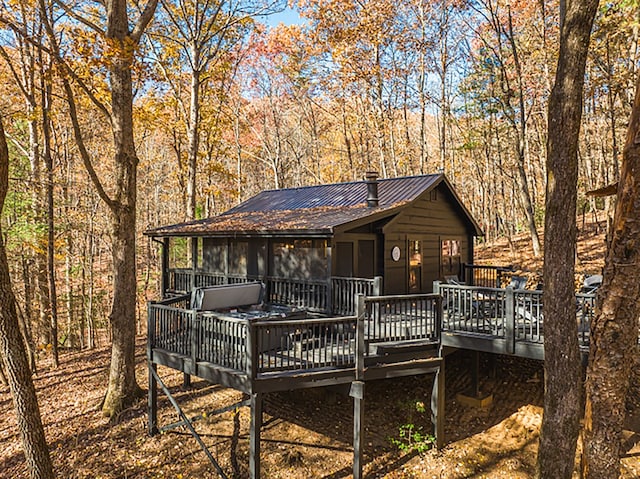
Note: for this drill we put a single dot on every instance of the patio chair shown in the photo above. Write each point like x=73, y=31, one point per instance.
x=591, y=284
x=518, y=282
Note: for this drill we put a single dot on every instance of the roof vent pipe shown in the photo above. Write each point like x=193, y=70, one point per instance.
x=372, y=188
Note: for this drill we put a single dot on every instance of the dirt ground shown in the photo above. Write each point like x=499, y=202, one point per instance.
x=307, y=433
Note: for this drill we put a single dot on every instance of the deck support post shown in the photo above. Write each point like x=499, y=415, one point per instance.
x=475, y=374
x=357, y=388
x=152, y=404
x=357, y=393
x=254, y=435
x=438, y=405
x=509, y=320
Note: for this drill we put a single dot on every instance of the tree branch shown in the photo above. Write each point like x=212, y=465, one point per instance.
x=73, y=113
x=144, y=20
x=79, y=18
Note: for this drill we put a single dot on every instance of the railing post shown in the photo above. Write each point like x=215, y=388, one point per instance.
x=251, y=346
x=357, y=389
x=360, y=342
x=437, y=324
x=195, y=335
x=329, y=307
x=436, y=287
x=152, y=398
x=510, y=320
x=377, y=286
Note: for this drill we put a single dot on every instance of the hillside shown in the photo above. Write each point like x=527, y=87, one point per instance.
x=307, y=434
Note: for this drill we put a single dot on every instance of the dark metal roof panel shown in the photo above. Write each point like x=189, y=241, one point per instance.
x=325, y=207
x=320, y=220
x=391, y=191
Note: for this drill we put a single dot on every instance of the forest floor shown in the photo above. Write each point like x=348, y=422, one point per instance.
x=308, y=433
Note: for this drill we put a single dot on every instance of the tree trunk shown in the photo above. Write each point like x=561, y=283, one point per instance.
x=614, y=330
x=561, y=420
x=15, y=360
x=123, y=388
x=193, y=134
x=51, y=267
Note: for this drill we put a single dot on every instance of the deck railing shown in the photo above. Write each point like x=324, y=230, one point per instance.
x=403, y=318
x=473, y=309
x=330, y=297
x=288, y=345
x=182, y=280
x=344, y=291
x=514, y=315
x=303, y=293
x=304, y=344
x=221, y=341
x=485, y=276
x=170, y=324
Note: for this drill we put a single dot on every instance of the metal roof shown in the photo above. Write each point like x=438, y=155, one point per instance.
x=391, y=191
x=309, y=210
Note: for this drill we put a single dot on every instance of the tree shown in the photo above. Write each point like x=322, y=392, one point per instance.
x=119, y=42
x=12, y=352
x=614, y=330
x=561, y=420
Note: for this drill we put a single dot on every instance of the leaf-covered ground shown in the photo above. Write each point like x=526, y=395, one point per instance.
x=307, y=433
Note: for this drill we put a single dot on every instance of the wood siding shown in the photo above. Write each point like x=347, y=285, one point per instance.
x=430, y=220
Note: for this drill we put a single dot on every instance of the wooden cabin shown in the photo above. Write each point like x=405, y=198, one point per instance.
x=365, y=257
x=317, y=246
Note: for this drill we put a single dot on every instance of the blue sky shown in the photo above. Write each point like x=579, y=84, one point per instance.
x=289, y=17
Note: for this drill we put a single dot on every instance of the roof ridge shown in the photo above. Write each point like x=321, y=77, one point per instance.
x=353, y=182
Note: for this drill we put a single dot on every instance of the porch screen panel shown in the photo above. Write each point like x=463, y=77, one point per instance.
x=214, y=255
x=179, y=253
x=300, y=259
x=238, y=252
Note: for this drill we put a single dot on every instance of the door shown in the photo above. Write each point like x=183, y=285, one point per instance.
x=344, y=259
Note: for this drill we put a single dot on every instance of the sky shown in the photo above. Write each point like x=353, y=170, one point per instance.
x=289, y=17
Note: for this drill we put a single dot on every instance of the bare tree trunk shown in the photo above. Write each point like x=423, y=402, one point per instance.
x=561, y=420
x=614, y=331
x=25, y=316
x=193, y=134
x=51, y=267
x=122, y=389
x=14, y=357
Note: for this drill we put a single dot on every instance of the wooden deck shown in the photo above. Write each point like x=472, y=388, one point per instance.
x=389, y=336
x=273, y=354
x=503, y=321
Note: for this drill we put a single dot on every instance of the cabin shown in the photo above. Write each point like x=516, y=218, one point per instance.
x=310, y=287
x=317, y=246
x=335, y=285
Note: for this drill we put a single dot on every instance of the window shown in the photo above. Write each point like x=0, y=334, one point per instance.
x=450, y=257
x=415, y=266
